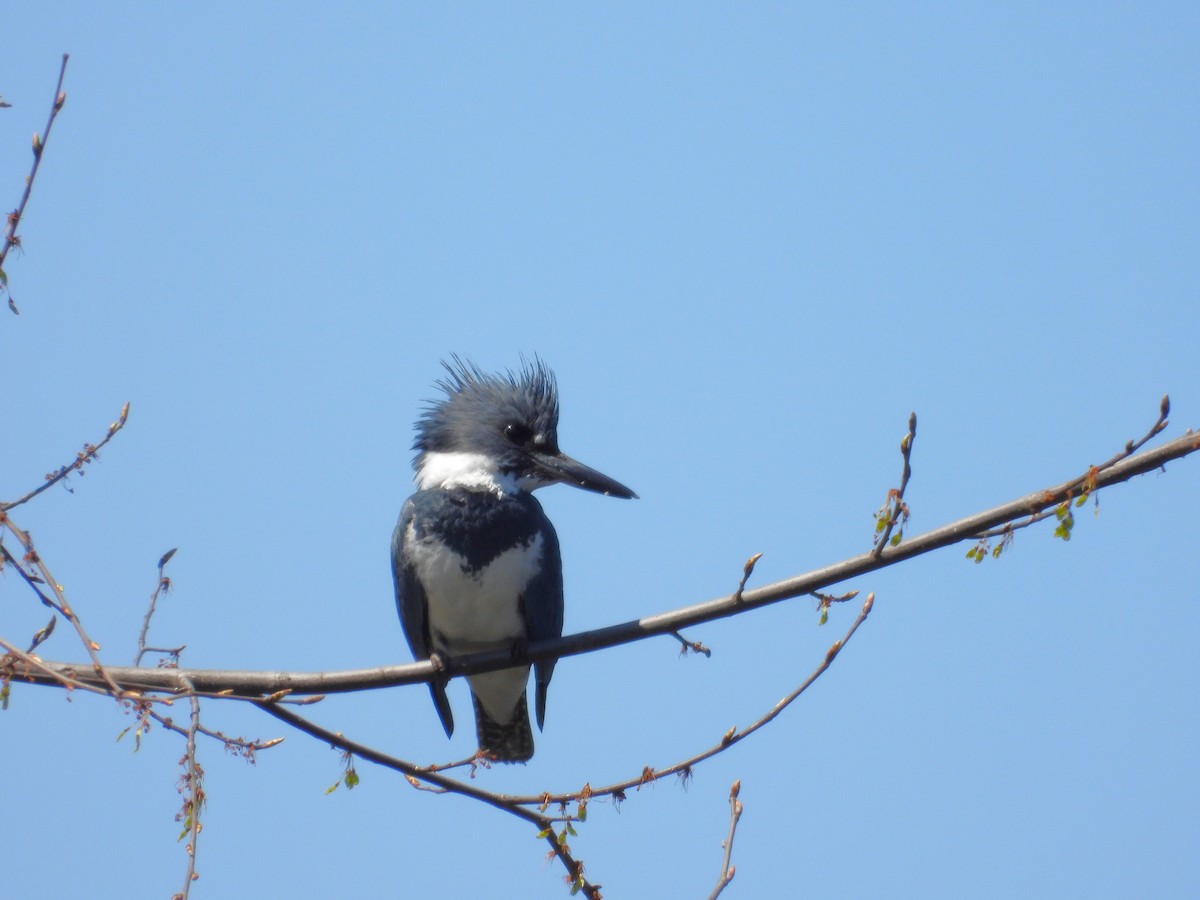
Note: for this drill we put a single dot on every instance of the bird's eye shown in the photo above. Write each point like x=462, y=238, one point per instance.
x=517, y=433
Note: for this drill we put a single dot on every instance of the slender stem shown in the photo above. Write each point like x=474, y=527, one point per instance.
x=195, y=783
x=727, y=867
x=14, y=218
x=90, y=451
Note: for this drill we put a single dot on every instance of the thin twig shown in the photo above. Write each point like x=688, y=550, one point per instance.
x=894, y=510
x=59, y=601
x=693, y=646
x=415, y=774
x=32, y=580
x=1087, y=479
x=412, y=770
x=747, y=571
x=162, y=585
x=728, y=870
x=60, y=676
x=193, y=782
x=824, y=601
x=239, y=746
x=42, y=634
x=731, y=737
x=39, y=148
x=89, y=452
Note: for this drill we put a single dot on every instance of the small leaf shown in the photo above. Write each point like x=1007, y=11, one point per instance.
x=824, y=615
x=543, y=834
x=333, y=787
x=351, y=780
x=895, y=541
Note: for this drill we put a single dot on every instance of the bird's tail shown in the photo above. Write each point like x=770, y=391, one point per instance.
x=507, y=743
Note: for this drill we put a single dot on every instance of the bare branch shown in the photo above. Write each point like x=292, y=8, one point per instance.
x=238, y=746
x=58, y=602
x=747, y=571
x=191, y=785
x=258, y=684
x=731, y=737
x=163, y=585
x=693, y=646
x=1085, y=482
x=33, y=664
x=86, y=455
x=727, y=869
x=416, y=774
x=39, y=148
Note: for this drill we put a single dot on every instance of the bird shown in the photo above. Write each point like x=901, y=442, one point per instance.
x=476, y=562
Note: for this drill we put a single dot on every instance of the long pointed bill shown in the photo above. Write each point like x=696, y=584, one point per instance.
x=560, y=467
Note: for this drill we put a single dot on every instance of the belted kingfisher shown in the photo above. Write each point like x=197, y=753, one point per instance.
x=475, y=560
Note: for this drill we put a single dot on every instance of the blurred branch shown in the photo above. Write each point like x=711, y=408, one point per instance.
x=163, y=585
x=191, y=785
x=86, y=455
x=1085, y=484
x=894, y=510
x=34, y=571
x=728, y=870
x=39, y=148
x=242, y=683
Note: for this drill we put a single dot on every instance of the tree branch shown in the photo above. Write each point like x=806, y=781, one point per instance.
x=39, y=146
x=86, y=455
x=728, y=870
x=416, y=774
x=239, y=683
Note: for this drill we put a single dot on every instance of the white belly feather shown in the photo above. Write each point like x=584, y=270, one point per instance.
x=473, y=611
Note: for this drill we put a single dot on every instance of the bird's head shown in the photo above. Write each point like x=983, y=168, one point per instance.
x=499, y=432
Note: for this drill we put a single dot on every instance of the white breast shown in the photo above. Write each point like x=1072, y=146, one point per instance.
x=473, y=610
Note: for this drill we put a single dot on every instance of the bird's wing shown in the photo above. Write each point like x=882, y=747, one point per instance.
x=413, y=607
x=410, y=596
x=542, y=605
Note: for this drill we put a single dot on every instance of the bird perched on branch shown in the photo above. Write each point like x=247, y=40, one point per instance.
x=475, y=560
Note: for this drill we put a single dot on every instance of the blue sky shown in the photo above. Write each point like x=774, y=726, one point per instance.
x=750, y=240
